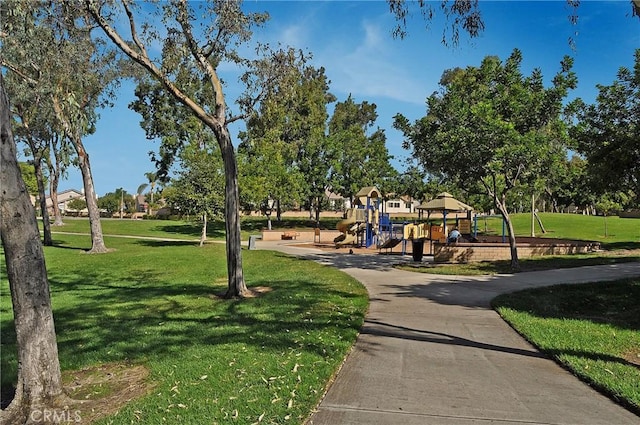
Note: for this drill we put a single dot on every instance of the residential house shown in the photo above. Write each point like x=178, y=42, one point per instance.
x=400, y=204
x=64, y=198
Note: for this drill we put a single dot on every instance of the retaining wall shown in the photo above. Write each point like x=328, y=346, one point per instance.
x=474, y=252
x=306, y=235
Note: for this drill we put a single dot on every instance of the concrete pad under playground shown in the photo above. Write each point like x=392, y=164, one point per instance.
x=432, y=351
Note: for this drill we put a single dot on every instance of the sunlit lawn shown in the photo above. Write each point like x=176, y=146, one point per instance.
x=526, y=264
x=621, y=232
x=211, y=360
x=593, y=329
x=184, y=229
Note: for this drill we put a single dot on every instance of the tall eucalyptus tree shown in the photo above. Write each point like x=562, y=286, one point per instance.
x=198, y=38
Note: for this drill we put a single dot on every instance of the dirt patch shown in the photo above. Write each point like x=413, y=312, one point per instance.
x=633, y=356
x=254, y=292
x=95, y=392
x=103, y=390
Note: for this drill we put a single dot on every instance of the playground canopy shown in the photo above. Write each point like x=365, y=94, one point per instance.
x=444, y=202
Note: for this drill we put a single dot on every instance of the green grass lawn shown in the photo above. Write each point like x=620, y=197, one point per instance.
x=621, y=232
x=549, y=262
x=182, y=229
x=151, y=303
x=593, y=329
x=170, y=229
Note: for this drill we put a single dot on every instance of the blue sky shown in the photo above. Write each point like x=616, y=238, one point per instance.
x=352, y=40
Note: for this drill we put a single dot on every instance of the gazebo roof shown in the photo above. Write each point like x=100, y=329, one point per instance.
x=444, y=202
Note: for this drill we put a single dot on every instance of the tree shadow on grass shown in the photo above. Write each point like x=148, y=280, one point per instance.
x=141, y=316
x=165, y=243
x=65, y=245
x=614, y=303
x=215, y=229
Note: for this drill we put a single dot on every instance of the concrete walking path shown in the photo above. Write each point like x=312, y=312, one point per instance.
x=432, y=351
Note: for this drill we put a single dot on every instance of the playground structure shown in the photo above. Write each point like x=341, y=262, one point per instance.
x=361, y=224
x=365, y=226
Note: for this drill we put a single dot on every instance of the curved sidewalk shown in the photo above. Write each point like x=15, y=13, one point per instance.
x=432, y=351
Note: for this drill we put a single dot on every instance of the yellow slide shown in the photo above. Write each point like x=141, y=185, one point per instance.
x=348, y=239
x=349, y=228
x=343, y=225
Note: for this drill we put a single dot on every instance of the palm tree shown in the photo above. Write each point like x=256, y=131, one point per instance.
x=152, y=178
x=141, y=189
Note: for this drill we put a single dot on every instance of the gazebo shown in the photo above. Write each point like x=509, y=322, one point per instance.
x=444, y=203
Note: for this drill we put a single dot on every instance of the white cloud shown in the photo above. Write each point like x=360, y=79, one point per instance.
x=368, y=66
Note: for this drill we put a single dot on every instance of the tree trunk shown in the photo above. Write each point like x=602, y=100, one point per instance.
x=39, y=383
x=46, y=224
x=236, y=284
x=53, y=194
x=203, y=234
x=54, y=179
x=97, y=241
x=318, y=200
x=542, y=229
x=501, y=205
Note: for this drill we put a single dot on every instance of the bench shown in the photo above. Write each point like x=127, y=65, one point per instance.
x=290, y=235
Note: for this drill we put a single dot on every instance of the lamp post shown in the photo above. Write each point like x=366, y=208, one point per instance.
x=121, y=203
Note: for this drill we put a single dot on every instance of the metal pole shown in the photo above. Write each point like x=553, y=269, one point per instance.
x=533, y=215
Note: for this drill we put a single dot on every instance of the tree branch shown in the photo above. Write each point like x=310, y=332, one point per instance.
x=183, y=19
x=132, y=27
x=144, y=61
x=29, y=80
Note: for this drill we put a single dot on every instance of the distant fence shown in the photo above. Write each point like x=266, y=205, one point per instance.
x=630, y=214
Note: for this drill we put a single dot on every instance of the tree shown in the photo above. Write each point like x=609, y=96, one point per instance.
x=52, y=39
x=152, y=177
x=462, y=14
x=58, y=161
x=29, y=177
x=607, y=205
x=268, y=174
x=314, y=156
x=198, y=53
x=77, y=204
x=361, y=158
x=76, y=100
x=412, y=183
x=608, y=133
x=31, y=128
x=39, y=150
x=39, y=380
x=117, y=201
x=492, y=126
x=291, y=115
x=458, y=13
x=198, y=188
